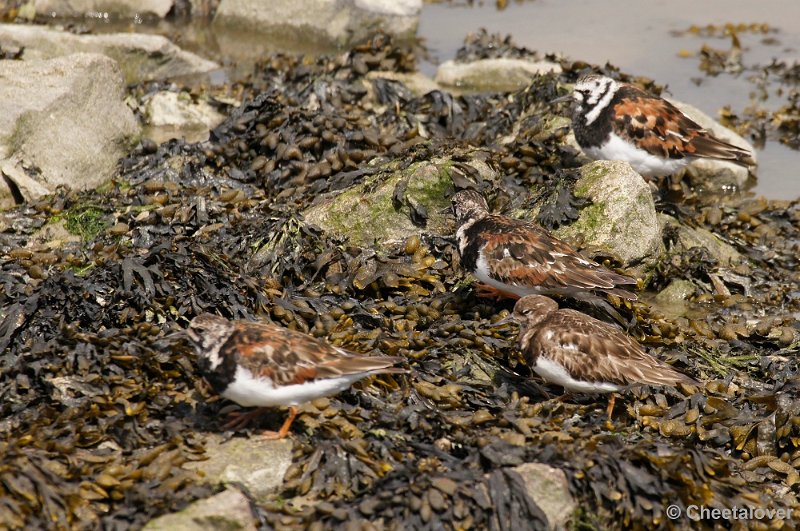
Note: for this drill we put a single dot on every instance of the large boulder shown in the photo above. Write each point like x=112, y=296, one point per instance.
x=249, y=27
x=120, y=8
x=142, y=57
x=62, y=122
x=380, y=209
x=621, y=220
x=490, y=75
x=257, y=464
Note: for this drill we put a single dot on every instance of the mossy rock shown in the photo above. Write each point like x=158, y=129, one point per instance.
x=621, y=221
x=366, y=213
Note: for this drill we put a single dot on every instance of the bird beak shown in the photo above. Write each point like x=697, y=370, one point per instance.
x=506, y=320
x=178, y=334
x=562, y=99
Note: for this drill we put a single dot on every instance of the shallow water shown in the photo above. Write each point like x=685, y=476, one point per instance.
x=638, y=38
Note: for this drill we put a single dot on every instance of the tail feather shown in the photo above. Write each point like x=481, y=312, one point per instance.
x=708, y=146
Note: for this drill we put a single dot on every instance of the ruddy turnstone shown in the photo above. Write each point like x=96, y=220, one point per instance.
x=584, y=355
x=261, y=364
x=518, y=258
x=617, y=121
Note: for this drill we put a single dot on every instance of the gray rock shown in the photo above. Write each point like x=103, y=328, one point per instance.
x=176, y=115
x=622, y=218
x=141, y=57
x=256, y=463
x=227, y=511
x=549, y=488
x=501, y=74
x=121, y=8
x=716, y=174
x=689, y=237
x=419, y=84
x=672, y=299
x=62, y=122
x=365, y=214
x=246, y=28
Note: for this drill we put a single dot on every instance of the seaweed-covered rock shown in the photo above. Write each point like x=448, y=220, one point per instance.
x=392, y=205
x=499, y=74
x=621, y=219
x=39, y=102
x=141, y=57
x=686, y=238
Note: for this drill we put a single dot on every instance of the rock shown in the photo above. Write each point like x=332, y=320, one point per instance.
x=621, y=220
x=419, y=84
x=228, y=510
x=365, y=213
x=257, y=464
x=246, y=28
x=175, y=115
x=62, y=122
x=672, y=299
x=549, y=488
x=678, y=291
x=120, y=8
x=689, y=237
x=492, y=75
x=142, y=57
x=716, y=175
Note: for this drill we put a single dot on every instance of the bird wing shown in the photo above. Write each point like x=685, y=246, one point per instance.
x=289, y=357
x=661, y=129
x=522, y=254
x=594, y=351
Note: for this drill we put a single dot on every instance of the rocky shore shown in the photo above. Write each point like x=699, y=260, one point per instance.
x=314, y=191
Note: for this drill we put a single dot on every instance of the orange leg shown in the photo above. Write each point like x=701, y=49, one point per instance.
x=564, y=397
x=611, y=400
x=284, y=431
x=487, y=292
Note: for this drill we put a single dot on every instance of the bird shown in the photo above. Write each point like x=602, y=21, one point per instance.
x=516, y=258
x=584, y=355
x=617, y=121
x=265, y=365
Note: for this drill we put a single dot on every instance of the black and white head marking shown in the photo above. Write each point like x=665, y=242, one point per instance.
x=593, y=94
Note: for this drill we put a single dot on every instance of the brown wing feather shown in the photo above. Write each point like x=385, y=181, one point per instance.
x=523, y=254
x=663, y=130
x=289, y=357
x=595, y=351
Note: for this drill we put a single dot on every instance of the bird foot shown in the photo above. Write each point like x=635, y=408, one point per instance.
x=485, y=291
x=238, y=419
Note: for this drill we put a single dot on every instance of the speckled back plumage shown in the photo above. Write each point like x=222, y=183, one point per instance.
x=588, y=349
x=605, y=107
x=283, y=356
x=519, y=253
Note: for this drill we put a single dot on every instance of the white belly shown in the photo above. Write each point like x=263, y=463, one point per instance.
x=554, y=373
x=644, y=163
x=248, y=391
